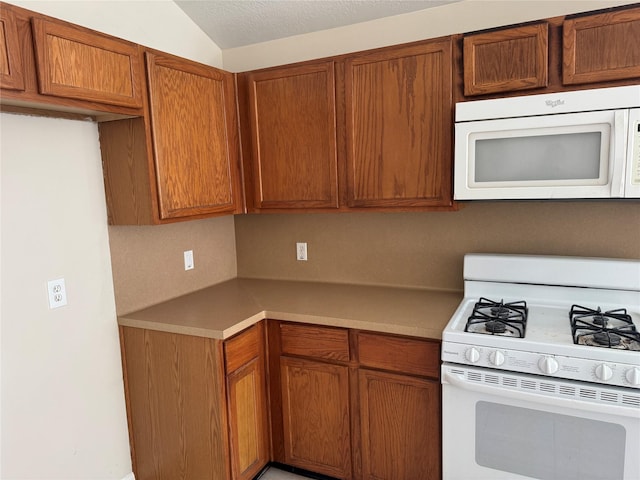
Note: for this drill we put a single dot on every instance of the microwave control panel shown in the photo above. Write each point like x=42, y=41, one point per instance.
x=635, y=153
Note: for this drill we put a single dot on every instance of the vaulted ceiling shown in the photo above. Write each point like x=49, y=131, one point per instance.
x=234, y=23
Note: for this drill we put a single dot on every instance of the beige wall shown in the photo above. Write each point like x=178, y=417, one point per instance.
x=148, y=262
x=426, y=249
x=62, y=411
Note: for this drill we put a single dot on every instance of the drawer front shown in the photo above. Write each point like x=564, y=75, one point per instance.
x=399, y=354
x=242, y=348
x=318, y=342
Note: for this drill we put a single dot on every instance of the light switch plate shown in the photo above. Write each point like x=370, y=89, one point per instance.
x=188, y=260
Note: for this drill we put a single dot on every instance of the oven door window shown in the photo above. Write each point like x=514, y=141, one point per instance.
x=548, y=446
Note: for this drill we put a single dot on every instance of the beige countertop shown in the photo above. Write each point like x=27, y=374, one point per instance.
x=222, y=310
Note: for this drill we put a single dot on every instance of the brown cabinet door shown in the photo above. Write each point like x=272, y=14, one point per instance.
x=399, y=121
x=247, y=403
x=11, y=66
x=74, y=62
x=195, y=140
x=506, y=60
x=293, y=129
x=175, y=404
x=315, y=405
x=602, y=47
x=400, y=427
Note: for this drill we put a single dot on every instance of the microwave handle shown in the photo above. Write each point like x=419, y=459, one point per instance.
x=621, y=124
x=460, y=382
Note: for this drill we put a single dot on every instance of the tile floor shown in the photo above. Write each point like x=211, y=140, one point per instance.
x=275, y=474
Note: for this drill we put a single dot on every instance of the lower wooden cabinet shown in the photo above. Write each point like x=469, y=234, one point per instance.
x=400, y=426
x=247, y=403
x=182, y=423
x=355, y=405
x=315, y=406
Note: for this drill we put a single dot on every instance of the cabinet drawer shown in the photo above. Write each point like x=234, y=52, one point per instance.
x=319, y=342
x=399, y=354
x=242, y=348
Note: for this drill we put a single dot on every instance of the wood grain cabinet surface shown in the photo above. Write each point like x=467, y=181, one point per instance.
x=74, y=62
x=182, y=160
x=293, y=136
x=247, y=402
x=195, y=137
x=197, y=407
x=11, y=64
x=506, y=60
x=602, y=47
x=175, y=396
x=373, y=397
x=315, y=409
x=400, y=424
x=399, y=114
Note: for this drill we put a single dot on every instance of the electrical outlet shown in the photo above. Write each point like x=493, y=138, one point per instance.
x=57, y=293
x=301, y=251
x=188, y=260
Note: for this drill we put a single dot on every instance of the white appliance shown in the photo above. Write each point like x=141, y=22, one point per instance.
x=581, y=144
x=541, y=370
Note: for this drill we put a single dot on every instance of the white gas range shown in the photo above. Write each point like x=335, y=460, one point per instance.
x=543, y=356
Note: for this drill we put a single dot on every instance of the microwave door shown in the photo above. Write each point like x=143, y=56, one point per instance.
x=632, y=175
x=553, y=156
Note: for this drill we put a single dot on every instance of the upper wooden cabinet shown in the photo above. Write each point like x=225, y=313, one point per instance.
x=195, y=137
x=48, y=64
x=75, y=62
x=293, y=134
x=182, y=160
x=506, y=60
x=11, y=65
x=399, y=117
x=602, y=47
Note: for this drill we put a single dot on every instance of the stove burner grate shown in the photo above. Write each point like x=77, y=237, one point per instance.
x=498, y=318
x=610, y=329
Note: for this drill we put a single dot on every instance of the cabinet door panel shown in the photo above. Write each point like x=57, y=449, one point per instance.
x=248, y=420
x=400, y=426
x=11, y=66
x=315, y=404
x=506, y=60
x=74, y=62
x=399, y=117
x=194, y=137
x=602, y=47
x=293, y=125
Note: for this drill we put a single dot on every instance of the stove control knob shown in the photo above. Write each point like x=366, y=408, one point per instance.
x=473, y=355
x=633, y=376
x=496, y=358
x=548, y=365
x=604, y=372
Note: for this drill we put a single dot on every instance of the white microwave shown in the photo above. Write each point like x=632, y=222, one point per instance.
x=581, y=144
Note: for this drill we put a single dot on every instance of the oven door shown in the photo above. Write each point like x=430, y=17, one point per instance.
x=510, y=426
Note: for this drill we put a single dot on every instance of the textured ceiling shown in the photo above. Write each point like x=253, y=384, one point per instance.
x=234, y=23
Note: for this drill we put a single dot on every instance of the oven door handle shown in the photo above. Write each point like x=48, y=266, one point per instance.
x=459, y=382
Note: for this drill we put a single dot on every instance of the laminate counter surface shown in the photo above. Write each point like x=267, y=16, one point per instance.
x=222, y=310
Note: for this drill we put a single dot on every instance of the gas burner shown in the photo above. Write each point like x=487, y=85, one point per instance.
x=498, y=318
x=610, y=329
